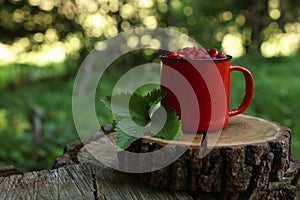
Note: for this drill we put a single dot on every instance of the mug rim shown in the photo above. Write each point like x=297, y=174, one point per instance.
x=228, y=57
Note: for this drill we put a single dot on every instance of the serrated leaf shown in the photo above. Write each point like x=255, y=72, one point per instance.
x=118, y=105
x=127, y=132
x=106, y=101
x=154, y=97
x=172, y=125
x=133, y=112
x=158, y=119
x=139, y=109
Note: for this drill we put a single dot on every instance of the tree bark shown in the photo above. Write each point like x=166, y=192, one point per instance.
x=251, y=159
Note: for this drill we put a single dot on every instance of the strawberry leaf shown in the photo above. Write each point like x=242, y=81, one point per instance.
x=106, y=101
x=139, y=109
x=133, y=113
x=171, y=129
x=154, y=97
x=127, y=132
x=118, y=104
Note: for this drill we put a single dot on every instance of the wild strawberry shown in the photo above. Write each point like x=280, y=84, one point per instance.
x=180, y=51
x=190, y=56
x=221, y=54
x=213, y=52
x=195, y=50
x=196, y=53
x=188, y=49
x=202, y=50
x=171, y=54
x=198, y=56
x=180, y=56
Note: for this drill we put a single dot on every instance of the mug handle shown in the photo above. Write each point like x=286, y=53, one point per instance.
x=248, y=90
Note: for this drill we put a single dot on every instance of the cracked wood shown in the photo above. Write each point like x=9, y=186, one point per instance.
x=233, y=170
x=250, y=154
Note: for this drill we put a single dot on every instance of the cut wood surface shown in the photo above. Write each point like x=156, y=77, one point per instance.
x=241, y=130
x=259, y=165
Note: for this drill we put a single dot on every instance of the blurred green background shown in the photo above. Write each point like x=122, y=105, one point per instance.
x=43, y=43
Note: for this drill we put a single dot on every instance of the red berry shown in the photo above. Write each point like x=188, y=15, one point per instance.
x=171, y=54
x=213, y=52
x=188, y=49
x=202, y=50
x=180, y=56
x=198, y=56
x=195, y=50
x=190, y=56
x=196, y=53
x=180, y=51
x=221, y=54
x=206, y=56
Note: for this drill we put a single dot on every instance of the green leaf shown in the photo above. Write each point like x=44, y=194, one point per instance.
x=134, y=112
x=106, y=101
x=171, y=129
x=118, y=105
x=154, y=97
x=158, y=119
x=139, y=109
x=127, y=132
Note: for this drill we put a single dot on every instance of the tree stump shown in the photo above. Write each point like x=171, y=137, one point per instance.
x=249, y=159
x=77, y=175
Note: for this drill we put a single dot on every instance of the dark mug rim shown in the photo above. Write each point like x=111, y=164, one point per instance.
x=228, y=57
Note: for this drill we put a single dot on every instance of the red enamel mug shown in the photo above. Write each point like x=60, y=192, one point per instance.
x=199, y=90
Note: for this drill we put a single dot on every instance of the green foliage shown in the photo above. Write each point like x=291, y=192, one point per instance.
x=276, y=98
x=127, y=132
x=154, y=97
x=134, y=113
x=172, y=126
x=34, y=26
x=139, y=109
x=276, y=91
x=14, y=75
x=16, y=145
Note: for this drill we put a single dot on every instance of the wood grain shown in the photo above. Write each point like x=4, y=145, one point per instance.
x=80, y=181
x=241, y=130
x=251, y=154
x=256, y=166
x=77, y=174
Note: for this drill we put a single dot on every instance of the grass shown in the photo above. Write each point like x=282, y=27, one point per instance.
x=276, y=98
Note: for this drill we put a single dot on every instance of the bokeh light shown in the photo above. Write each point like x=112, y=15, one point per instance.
x=68, y=26
x=5, y=53
x=281, y=44
x=233, y=44
x=275, y=14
